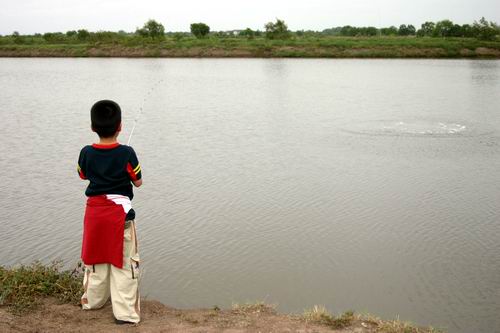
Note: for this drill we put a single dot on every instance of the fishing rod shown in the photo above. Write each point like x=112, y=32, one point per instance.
x=139, y=113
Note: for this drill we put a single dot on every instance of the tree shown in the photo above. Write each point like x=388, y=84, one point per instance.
x=467, y=30
x=277, y=30
x=427, y=28
x=391, y=31
x=411, y=30
x=332, y=31
x=369, y=31
x=200, y=30
x=18, y=39
x=142, y=32
x=406, y=30
x=82, y=35
x=456, y=31
x=54, y=37
x=220, y=34
x=485, y=30
x=443, y=28
x=151, y=29
x=248, y=33
x=348, y=31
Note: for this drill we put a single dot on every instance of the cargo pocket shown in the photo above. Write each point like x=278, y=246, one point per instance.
x=84, y=299
x=131, y=240
x=134, y=268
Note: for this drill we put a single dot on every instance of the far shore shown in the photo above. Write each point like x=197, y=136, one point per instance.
x=333, y=47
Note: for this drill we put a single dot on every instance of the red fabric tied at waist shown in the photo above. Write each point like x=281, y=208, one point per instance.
x=103, y=228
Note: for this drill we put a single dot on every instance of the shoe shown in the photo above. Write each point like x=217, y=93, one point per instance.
x=123, y=322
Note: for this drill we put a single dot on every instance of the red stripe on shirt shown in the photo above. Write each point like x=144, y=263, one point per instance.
x=130, y=171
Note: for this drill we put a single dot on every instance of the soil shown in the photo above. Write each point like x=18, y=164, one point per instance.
x=52, y=316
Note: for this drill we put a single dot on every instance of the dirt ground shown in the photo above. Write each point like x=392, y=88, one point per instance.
x=156, y=317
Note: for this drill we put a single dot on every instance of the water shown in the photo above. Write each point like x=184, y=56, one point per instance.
x=370, y=185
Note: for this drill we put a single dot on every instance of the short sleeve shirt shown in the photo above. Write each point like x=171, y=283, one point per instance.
x=109, y=168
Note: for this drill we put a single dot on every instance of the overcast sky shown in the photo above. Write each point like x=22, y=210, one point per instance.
x=30, y=16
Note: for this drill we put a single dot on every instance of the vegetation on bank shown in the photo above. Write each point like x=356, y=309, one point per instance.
x=320, y=315
x=261, y=47
x=24, y=288
x=443, y=39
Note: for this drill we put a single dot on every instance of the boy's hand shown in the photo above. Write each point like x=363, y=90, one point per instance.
x=137, y=183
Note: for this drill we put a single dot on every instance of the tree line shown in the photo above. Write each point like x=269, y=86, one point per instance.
x=155, y=31
x=481, y=29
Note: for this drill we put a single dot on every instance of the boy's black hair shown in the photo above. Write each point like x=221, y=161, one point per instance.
x=105, y=117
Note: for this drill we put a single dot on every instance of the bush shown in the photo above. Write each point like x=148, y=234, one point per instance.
x=23, y=287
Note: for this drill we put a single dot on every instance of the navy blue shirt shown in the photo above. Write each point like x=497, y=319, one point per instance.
x=109, y=168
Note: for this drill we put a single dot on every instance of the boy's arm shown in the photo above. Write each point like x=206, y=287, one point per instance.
x=134, y=169
x=81, y=165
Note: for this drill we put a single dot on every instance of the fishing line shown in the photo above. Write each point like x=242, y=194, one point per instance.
x=139, y=113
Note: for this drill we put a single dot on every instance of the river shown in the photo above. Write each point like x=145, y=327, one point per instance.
x=370, y=185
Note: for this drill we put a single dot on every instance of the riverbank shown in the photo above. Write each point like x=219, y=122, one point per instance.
x=325, y=47
x=39, y=298
x=52, y=316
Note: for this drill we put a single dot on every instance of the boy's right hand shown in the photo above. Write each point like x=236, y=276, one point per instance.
x=137, y=183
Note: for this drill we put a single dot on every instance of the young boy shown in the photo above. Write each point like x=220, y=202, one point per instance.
x=109, y=248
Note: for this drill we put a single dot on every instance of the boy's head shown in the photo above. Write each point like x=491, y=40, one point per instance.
x=106, y=118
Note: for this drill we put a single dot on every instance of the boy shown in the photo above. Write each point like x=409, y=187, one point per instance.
x=109, y=248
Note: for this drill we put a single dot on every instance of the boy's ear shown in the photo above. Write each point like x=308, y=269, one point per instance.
x=119, y=127
x=92, y=128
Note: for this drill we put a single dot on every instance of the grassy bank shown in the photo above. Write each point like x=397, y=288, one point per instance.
x=38, y=298
x=317, y=47
x=23, y=288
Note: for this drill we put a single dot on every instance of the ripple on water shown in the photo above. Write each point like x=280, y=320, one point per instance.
x=416, y=128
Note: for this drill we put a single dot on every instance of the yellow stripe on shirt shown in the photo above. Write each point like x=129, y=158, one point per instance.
x=137, y=167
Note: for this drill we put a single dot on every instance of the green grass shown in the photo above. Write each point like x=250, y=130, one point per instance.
x=255, y=307
x=23, y=287
x=319, y=315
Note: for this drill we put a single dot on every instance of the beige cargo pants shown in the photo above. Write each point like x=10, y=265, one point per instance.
x=104, y=280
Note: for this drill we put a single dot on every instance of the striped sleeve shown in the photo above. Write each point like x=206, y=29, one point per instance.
x=134, y=167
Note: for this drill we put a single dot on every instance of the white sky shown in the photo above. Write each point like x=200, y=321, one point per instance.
x=30, y=16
